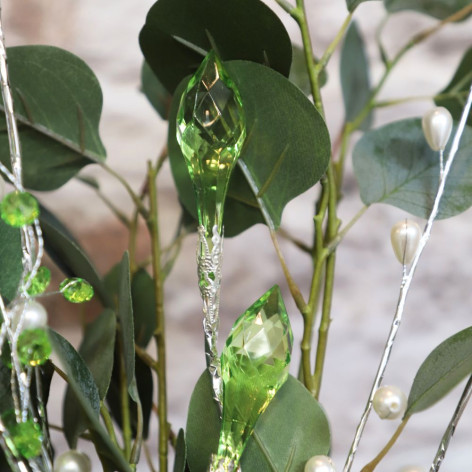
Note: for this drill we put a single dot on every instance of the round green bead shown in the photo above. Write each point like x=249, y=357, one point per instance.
x=25, y=438
x=19, y=209
x=34, y=347
x=40, y=281
x=76, y=290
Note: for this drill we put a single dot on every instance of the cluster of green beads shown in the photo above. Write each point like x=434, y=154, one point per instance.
x=76, y=290
x=24, y=438
x=40, y=282
x=34, y=347
x=19, y=209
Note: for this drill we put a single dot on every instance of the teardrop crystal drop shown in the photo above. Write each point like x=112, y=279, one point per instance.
x=254, y=365
x=437, y=127
x=211, y=129
x=405, y=237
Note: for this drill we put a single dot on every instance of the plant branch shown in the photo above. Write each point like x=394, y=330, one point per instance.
x=333, y=244
x=108, y=423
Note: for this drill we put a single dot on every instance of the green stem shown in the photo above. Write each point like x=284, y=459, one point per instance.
x=441, y=96
x=108, y=423
x=125, y=413
x=139, y=434
x=159, y=334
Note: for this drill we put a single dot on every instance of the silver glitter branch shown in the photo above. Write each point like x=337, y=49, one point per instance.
x=405, y=285
x=209, y=262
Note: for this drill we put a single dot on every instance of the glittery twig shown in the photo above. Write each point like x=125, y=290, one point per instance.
x=405, y=285
x=222, y=465
x=209, y=262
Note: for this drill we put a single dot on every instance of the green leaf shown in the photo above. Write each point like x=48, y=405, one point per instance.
x=458, y=89
x=286, y=152
x=442, y=370
x=180, y=453
x=58, y=102
x=86, y=391
x=6, y=400
x=395, y=165
x=125, y=315
x=178, y=33
x=144, y=307
x=69, y=256
x=291, y=430
x=353, y=4
x=437, y=8
x=299, y=73
x=10, y=260
x=355, y=77
x=155, y=92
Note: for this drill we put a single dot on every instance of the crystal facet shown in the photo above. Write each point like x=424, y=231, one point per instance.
x=25, y=438
x=76, y=290
x=40, y=282
x=254, y=366
x=211, y=129
x=34, y=347
x=19, y=209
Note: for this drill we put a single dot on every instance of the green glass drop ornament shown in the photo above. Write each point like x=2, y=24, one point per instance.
x=76, y=290
x=34, y=347
x=24, y=438
x=211, y=129
x=40, y=282
x=254, y=365
x=18, y=209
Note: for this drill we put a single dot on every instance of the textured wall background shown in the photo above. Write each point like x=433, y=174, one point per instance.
x=105, y=34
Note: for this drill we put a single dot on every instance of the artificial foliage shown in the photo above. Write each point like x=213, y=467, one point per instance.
x=246, y=135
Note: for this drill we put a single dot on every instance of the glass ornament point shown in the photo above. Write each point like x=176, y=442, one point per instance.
x=254, y=366
x=76, y=290
x=19, y=209
x=211, y=129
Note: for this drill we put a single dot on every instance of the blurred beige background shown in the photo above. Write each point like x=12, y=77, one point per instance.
x=104, y=33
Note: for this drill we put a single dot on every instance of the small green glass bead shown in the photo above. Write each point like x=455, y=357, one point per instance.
x=19, y=209
x=34, y=347
x=76, y=290
x=25, y=438
x=40, y=282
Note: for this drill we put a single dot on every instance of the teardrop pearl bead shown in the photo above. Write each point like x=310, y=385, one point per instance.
x=72, y=461
x=389, y=402
x=405, y=237
x=437, y=127
x=320, y=464
x=33, y=313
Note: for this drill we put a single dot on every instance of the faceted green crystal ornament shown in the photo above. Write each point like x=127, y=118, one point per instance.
x=24, y=438
x=211, y=129
x=34, y=347
x=76, y=290
x=40, y=281
x=19, y=209
x=254, y=365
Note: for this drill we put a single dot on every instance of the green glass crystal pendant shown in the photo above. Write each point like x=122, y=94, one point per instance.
x=40, y=282
x=211, y=129
x=76, y=290
x=34, y=347
x=19, y=209
x=254, y=365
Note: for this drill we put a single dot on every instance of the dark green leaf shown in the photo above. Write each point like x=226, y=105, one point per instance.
x=10, y=260
x=58, y=102
x=125, y=315
x=355, y=78
x=145, y=387
x=89, y=180
x=180, y=453
x=353, y=4
x=458, y=89
x=299, y=73
x=155, y=92
x=83, y=385
x=144, y=307
x=287, y=149
x=178, y=33
x=395, y=165
x=6, y=400
x=291, y=430
x=442, y=370
x=69, y=256
x=438, y=8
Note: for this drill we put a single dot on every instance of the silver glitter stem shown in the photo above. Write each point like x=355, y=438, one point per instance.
x=405, y=285
x=209, y=262
x=446, y=439
x=222, y=466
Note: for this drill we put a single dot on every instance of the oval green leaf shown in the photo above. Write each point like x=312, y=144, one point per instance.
x=437, y=8
x=10, y=260
x=442, y=370
x=355, y=77
x=395, y=165
x=58, y=102
x=178, y=33
x=155, y=92
x=291, y=430
x=299, y=73
x=180, y=453
x=454, y=96
x=287, y=148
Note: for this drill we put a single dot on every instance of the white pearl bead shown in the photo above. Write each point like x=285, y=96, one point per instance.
x=437, y=127
x=405, y=237
x=72, y=461
x=389, y=402
x=33, y=313
x=320, y=464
